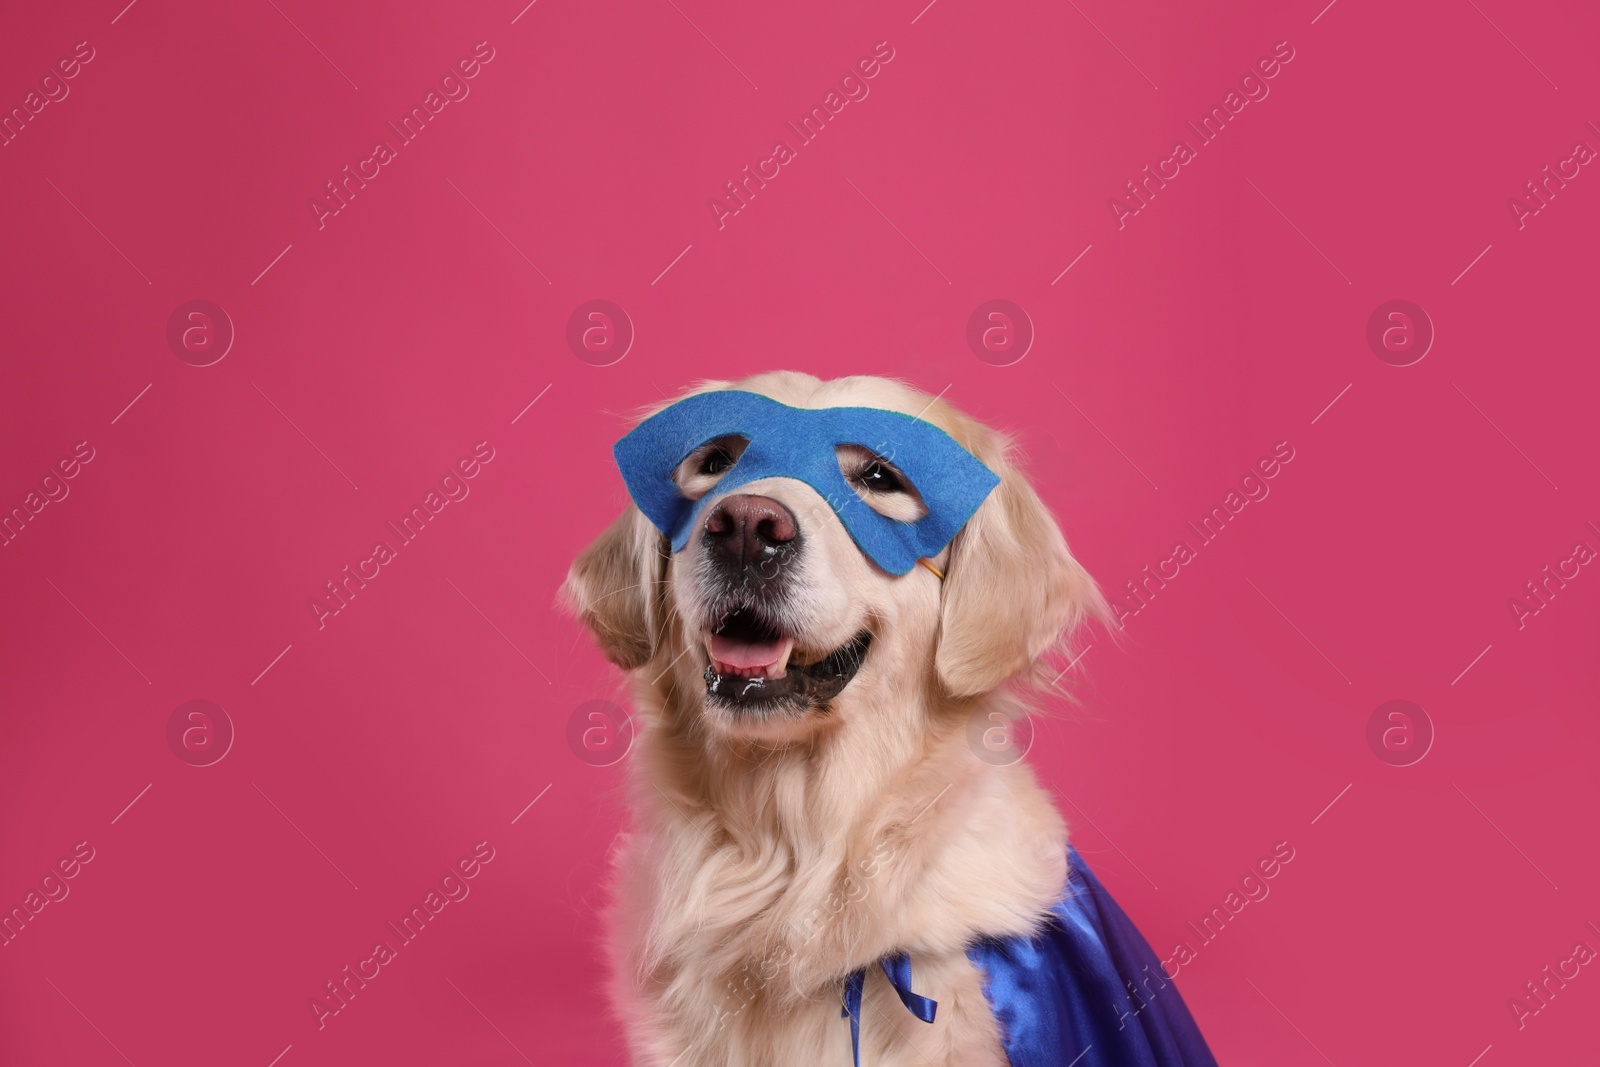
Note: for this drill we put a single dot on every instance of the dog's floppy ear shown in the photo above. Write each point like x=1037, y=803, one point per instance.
x=613, y=586
x=1012, y=589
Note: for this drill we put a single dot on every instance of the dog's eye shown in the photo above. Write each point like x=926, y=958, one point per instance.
x=880, y=479
x=715, y=461
x=705, y=466
x=879, y=485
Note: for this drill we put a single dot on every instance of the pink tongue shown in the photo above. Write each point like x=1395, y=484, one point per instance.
x=745, y=654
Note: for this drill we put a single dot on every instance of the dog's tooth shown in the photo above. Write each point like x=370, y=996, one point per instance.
x=778, y=667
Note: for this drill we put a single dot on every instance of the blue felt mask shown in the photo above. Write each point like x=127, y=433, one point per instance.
x=800, y=443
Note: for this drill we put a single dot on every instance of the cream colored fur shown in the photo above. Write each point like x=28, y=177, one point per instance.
x=765, y=863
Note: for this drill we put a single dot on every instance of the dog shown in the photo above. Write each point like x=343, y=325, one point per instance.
x=807, y=800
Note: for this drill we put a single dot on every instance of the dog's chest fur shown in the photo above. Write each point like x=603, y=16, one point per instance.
x=730, y=938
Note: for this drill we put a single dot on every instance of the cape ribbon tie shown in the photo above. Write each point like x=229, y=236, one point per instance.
x=897, y=968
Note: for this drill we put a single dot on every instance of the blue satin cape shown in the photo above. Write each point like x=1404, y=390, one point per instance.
x=1086, y=991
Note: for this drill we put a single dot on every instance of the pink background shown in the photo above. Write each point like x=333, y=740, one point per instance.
x=375, y=352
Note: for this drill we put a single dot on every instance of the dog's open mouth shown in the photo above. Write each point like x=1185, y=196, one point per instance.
x=754, y=666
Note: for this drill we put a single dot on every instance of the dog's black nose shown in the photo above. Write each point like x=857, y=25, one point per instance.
x=747, y=529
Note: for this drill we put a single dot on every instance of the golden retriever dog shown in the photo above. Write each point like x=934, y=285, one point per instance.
x=780, y=845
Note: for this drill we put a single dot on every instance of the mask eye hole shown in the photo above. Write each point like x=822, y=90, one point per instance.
x=705, y=466
x=880, y=484
x=715, y=460
x=879, y=477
